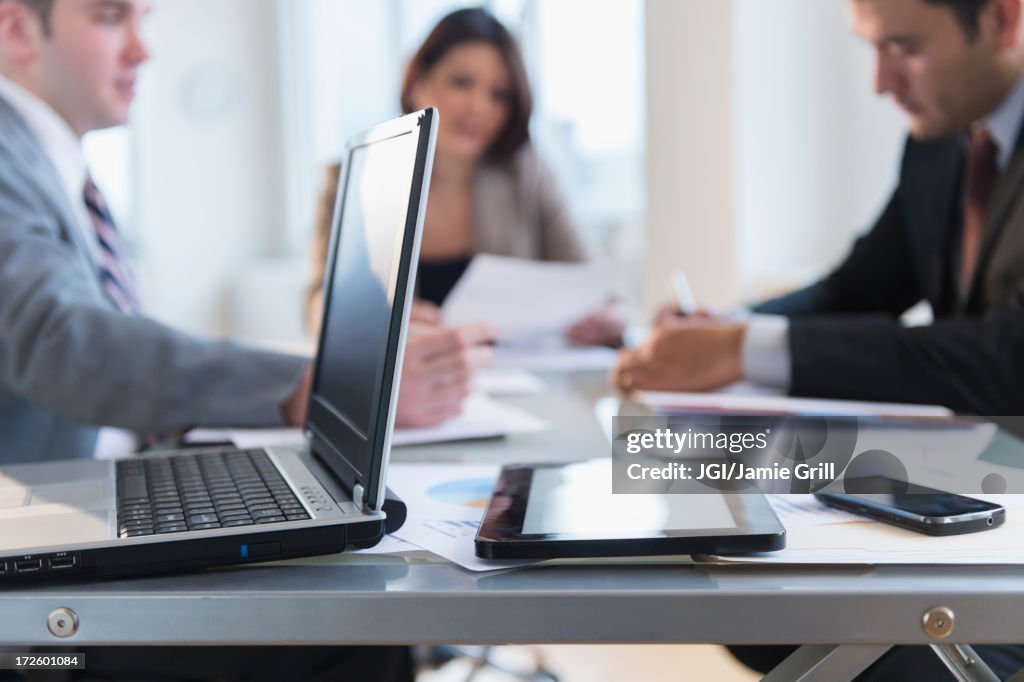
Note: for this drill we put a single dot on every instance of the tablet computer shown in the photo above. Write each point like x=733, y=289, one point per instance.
x=551, y=511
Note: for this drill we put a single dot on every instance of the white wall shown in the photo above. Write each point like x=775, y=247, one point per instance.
x=209, y=156
x=691, y=198
x=817, y=151
x=767, y=149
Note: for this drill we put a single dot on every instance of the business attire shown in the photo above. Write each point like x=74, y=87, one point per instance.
x=75, y=354
x=840, y=338
x=952, y=234
x=517, y=212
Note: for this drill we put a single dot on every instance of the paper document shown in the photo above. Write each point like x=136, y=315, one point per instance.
x=525, y=297
x=482, y=417
x=499, y=381
x=446, y=503
x=453, y=540
x=389, y=544
x=802, y=511
x=874, y=542
x=737, y=403
x=547, y=354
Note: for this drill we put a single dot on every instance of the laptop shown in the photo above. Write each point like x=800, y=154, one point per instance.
x=199, y=508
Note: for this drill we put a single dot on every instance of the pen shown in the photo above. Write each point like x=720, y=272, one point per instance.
x=684, y=295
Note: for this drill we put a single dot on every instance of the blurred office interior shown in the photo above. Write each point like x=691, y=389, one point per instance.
x=739, y=140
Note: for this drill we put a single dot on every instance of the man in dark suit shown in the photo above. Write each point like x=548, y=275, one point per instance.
x=952, y=234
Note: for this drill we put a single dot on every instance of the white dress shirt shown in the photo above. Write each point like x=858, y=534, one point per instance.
x=64, y=150
x=766, y=359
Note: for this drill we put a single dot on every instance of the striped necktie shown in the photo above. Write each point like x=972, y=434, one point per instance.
x=114, y=273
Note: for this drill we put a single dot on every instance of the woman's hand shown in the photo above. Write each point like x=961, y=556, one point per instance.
x=602, y=327
x=424, y=313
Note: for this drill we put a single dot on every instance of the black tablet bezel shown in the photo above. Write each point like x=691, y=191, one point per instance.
x=500, y=535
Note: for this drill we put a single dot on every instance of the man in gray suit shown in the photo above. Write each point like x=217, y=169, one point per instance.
x=75, y=352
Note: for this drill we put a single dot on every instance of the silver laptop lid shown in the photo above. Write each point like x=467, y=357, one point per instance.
x=368, y=290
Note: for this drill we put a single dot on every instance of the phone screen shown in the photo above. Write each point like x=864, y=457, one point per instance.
x=914, y=499
x=930, y=504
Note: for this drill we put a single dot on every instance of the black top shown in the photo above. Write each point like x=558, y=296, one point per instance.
x=437, y=279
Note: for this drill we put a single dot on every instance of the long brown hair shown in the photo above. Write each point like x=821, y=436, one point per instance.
x=477, y=25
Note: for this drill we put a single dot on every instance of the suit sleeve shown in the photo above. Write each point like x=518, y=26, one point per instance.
x=969, y=365
x=65, y=350
x=876, y=276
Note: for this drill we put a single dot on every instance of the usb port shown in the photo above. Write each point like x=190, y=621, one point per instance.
x=62, y=563
x=28, y=566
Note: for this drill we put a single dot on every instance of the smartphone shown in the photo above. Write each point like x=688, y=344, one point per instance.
x=916, y=507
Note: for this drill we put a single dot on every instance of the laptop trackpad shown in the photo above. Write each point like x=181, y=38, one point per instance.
x=13, y=497
x=49, y=530
x=71, y=495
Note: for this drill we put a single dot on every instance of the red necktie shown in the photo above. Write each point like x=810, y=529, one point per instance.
x=980, y=181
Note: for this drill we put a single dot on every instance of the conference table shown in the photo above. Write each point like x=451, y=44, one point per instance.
x=845, y=616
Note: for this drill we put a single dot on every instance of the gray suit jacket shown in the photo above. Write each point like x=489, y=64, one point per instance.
x=70, y=362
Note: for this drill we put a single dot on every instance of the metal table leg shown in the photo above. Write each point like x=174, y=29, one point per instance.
x=965, y=665
x=826, y=662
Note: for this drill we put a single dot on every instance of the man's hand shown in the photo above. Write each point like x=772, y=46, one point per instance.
x=689, y=354
x=669, y=314
x=294, y=408
x=438, y=369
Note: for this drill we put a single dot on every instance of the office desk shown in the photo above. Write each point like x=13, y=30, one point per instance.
x=389, y=599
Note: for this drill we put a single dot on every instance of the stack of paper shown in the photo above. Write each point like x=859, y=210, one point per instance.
x=482, y=417
x=553, y=355
x=498, y=381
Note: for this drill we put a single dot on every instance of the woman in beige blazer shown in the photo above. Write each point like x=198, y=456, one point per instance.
x=490, y=192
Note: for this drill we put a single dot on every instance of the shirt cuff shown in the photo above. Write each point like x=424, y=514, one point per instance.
x=765, y=351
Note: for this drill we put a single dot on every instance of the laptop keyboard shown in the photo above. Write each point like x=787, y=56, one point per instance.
x=203, y=491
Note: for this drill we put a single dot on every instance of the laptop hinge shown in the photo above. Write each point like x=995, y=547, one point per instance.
x=359, y=495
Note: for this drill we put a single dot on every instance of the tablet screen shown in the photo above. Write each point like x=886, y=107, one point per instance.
x=568, y=510
x=577, y=500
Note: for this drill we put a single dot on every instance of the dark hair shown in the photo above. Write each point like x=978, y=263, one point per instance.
x=472, y=26
x=967, y=13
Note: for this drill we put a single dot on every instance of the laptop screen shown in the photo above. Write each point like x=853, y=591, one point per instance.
x=366, y=285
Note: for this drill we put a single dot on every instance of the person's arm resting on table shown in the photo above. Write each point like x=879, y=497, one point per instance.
x=63, y=350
